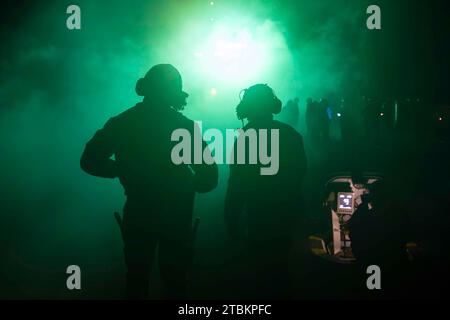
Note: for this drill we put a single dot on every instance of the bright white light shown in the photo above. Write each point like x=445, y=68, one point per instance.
x=338, y=114
x=381, y=114
x=237, y=52
x=211, y=3
x=229, y=54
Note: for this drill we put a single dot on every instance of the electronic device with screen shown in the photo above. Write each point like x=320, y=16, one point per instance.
x=345, y=202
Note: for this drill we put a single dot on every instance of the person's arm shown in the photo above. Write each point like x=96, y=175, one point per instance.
x=206, y=176
x=234, y=199
x=96, y=158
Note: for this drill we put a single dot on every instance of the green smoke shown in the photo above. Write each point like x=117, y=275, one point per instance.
x=59, y=86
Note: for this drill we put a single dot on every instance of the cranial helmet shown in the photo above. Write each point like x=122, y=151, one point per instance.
x=163, y=82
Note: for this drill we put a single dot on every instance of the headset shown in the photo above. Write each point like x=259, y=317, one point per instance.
x=257, y=99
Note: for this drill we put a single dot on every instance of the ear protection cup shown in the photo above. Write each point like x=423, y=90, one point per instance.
x=277, y=105
x=140, y=87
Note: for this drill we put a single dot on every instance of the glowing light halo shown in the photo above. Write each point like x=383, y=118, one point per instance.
x=232, y=53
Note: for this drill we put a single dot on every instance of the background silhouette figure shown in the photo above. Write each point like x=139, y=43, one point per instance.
x=290, y=113
x=271, y=202
x=317, y=121
x=160, y=194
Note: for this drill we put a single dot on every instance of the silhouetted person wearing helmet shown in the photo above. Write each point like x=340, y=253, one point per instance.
x=160, y=194
x=272, y=203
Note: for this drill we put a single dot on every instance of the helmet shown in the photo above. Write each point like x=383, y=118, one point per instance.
x=163, y=82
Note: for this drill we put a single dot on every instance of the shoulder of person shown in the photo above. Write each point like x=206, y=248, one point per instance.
x=287, y=128
x=181, y=117
x=182, y=121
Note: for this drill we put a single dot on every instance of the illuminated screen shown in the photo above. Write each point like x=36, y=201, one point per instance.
x=345, y=202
